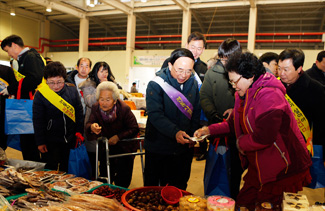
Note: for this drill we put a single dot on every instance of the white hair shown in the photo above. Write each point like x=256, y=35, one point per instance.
x=110, y=86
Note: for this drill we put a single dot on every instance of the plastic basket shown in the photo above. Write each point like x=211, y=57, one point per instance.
x=171, y=194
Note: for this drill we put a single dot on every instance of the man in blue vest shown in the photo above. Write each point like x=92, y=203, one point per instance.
x=173, y=107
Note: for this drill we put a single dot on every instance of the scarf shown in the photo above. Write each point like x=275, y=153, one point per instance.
x=109, y=116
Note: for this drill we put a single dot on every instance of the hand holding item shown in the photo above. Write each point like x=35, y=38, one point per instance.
x=95, y=128
x=4, y=92
x=113, y=140
x=227, y=113
x=42, y=148
x=182, y=137
x=202, y=132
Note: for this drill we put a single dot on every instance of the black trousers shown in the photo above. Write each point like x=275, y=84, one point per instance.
x=29, y=148
x=57, y=156
x=162, y=169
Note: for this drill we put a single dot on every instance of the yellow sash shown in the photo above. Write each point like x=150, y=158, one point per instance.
x=302, y=124
x=56, y=100
x=5, y=82
x=20, y=76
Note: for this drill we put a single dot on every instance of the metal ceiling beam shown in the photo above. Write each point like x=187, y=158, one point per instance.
x=119, y=6
x=59, y=7
x=199, y=21
x=183, y=4
x=322, y=23
x=149, y=24
x=22, y=12
x=104, y=26
x=66, y=28
x=253, y=3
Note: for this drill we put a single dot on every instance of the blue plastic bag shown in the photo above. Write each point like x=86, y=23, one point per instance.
x=216, y=177
x=317, y=170
x=19, y=116
x=79, y=163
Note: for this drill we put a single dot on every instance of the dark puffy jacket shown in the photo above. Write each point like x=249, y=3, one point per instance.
x=309, y=96
x=31, y=65
x=199, y=66
x=216, y=95
x=51, y=124
x=70, y=77
x=165, y=119
x=316, y=74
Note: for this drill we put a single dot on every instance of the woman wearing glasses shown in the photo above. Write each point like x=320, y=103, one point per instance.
x=54, y=130
x=269, y=141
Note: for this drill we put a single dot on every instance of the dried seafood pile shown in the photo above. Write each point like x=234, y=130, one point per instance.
x=36, y=198
x=86, y=202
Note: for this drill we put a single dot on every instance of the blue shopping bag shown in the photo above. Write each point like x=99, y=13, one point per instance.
x=79, y=163
x=317, y=170
x=216, y=174
x=19, y=116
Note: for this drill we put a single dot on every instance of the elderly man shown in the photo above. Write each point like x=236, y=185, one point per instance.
x=307, y=94
x=317, y=71
x=173, y=107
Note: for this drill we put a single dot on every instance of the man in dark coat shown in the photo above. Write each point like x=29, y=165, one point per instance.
x=169, y=152
x=31, y=65
x=305, y=92
x=6, y=76
x=317, y=71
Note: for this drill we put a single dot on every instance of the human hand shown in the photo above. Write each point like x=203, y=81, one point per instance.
x=4, y=92
x=113, y=140
x=95, y=128
x=42, y=148
x=182, y=137
x=227, y=113
x=201, y=132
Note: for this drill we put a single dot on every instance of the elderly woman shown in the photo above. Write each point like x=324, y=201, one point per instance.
x=112, y=118
x=268, y=138
x=54, y=130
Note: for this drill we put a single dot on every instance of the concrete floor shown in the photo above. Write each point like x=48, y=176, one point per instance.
x=195, y=184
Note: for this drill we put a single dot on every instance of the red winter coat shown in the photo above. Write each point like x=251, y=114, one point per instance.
x=273, y=146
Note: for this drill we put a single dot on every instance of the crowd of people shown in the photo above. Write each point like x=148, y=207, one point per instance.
x=265, y=110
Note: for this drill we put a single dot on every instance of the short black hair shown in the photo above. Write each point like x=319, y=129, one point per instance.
x=134, y=83
x=269, y=56
x=78, y=63
x=246, y=65
x=320, y=56
x=55, y=69
x=196, y=36
x=93, y=75
x=228, y=47
x=181, y=52
x=297, y=56
x=12, y=39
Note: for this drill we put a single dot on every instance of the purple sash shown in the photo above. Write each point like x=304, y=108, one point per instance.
x=178, y=98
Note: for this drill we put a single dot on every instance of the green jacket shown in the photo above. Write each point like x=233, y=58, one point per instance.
x=216, y=95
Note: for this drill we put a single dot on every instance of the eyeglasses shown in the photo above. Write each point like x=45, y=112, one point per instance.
x=59, y=83
x=181, y=71
x=234, y=83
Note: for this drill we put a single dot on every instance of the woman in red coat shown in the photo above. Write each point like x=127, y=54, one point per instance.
x=268, y=138
x=113, y=119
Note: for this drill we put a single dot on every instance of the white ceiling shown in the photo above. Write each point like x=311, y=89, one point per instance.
x=164, y=17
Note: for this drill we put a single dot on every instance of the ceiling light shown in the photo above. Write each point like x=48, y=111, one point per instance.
x=48, y=8
x=143, y=0
x=12, y=12
x=91, y=3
